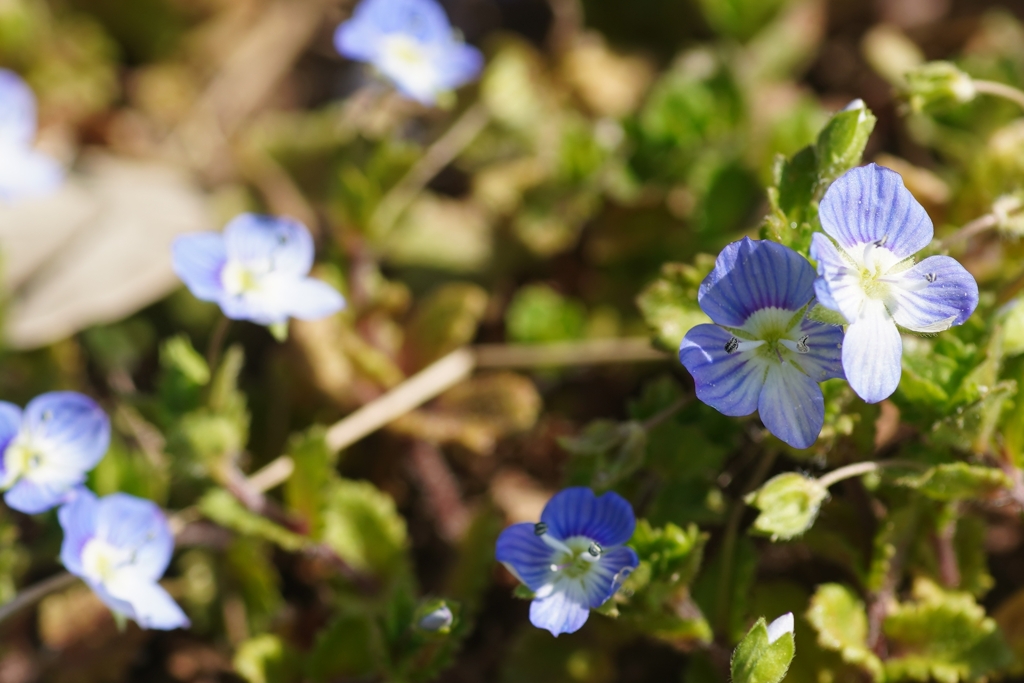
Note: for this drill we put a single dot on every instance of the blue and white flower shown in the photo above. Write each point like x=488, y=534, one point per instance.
x=49, y=447
x=412, y=44
x=256, y=270
x=763, y=353
x=24, y=172
x=574, y=559
x=873, y=227
x=121, y=545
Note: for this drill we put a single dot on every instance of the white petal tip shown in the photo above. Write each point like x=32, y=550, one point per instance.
x=780, y=627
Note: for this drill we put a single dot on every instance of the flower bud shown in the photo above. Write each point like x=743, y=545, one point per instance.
x=765, y=653
x=788, y=503
x=435, y=616
x=936, y=83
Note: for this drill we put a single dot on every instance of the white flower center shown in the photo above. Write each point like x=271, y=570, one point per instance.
x=775, y=332
x=21, y=459
x=407, y=62
x=238, y=279
x=100, y=560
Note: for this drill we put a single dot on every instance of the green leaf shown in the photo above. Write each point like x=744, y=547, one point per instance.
x=223, y=508
x=839, y=617
x=615, y=451
x=305, y=492
x=763, y=658
x=740, y=19
x=362, y=525
x=669, y=304
x=841, y=143
x=350, y=646
x=673, y=554
x=943, y=635
x=184, y=374
x=789, y=504
x=444, y=320
x=958, y=481
x=266, y=659
x=539, y=314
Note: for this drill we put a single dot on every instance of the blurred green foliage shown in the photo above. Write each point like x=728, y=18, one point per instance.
x=576, y=195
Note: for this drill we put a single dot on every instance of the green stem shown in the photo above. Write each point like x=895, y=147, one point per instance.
x=969, y=230
x=723, y=605
x=860, y=468
x=438, y=155
x=1007, y=92
x=216, y=344
x=34, y=594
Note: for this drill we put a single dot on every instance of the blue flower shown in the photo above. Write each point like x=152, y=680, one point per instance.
x=873, y=227
x=573, y=560
x=763, y=353
x=24, y=172
x=121, y=545
x=49, y=448
x=412, y=43
x=256, y=270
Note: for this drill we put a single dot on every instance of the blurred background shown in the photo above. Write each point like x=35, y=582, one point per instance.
x=539, y=205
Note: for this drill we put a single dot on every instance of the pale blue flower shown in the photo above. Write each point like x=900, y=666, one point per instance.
x=574, y=560
x=873, y=227
x=49, y=447
x=24, y=172
x=256, y=270
x=121, y=545
x=412, y=43
x=763, y=353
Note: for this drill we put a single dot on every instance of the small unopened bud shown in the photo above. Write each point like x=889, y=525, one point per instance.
x=766, y=652
x=780, y=627
x=435, y=616
x=938, y=83
x=788, y=503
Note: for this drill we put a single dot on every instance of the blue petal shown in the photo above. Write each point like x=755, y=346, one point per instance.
x=791, y=405
x=71, y=428
x=423, y=21
x=750, y=275
x=824, y=358
x=870, y=204
x=838, y=284
x=872, y=352
x=198, y=260
x=935, y=294
x=564, y=611
x=728, y=382
x=17, y=111
x=10, y=423
x=459, y=65
x=576, y=511
x=78, y=520
x=151, y=606
x=526, y=556
x=140, y=526
x=33, y=497
x=304, y=298
x=26, y=173
x=255, y=307
x=608, y=574
x=281, y=244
